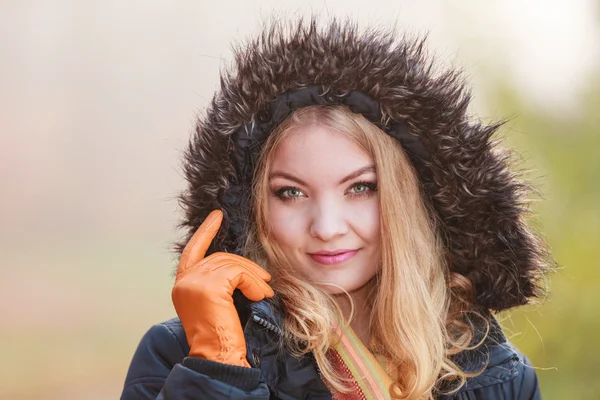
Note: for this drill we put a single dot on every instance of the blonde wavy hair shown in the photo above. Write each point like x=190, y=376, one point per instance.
x=419, y=307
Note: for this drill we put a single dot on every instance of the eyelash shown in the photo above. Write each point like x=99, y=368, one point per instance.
x=371, y=189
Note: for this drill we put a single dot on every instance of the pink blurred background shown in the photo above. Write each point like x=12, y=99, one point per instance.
x=97, y=100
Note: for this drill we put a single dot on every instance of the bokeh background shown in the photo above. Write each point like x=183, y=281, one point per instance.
x=97, y=100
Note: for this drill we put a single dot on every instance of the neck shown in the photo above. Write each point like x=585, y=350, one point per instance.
x=361, y=316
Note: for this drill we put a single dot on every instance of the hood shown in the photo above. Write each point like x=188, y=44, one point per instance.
x=477, y=202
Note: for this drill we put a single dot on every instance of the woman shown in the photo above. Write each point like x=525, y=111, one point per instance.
x=388, y=221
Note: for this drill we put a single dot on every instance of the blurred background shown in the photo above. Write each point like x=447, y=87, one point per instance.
x=97, y=100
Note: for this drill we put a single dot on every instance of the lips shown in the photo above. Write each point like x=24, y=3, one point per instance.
x=333, y=257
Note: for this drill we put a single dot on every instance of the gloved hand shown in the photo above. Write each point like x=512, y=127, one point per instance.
x=202, y=296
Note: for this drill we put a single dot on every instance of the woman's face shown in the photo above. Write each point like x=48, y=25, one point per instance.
x=323, y=207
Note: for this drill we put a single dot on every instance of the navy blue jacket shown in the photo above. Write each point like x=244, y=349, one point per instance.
x=161, y=368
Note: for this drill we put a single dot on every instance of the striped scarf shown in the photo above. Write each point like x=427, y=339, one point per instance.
x=352, y=360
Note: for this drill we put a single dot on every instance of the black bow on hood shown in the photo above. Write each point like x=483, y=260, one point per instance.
x=478, y=203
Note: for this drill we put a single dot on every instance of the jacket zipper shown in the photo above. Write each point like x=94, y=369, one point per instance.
x=262, y=321
x=266, y=324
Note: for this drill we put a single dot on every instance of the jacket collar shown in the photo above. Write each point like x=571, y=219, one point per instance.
x=495, y=354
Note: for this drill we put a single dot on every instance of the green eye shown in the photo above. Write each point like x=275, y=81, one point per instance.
x=289, y=193
x=363, y=188
x=292, y=193
x=360, y=188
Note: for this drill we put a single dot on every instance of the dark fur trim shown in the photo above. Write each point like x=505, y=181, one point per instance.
x=477, y=201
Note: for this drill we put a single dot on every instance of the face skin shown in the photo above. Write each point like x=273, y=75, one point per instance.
x=323, y=198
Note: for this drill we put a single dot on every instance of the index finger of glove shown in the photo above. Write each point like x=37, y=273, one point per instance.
x=196, y=248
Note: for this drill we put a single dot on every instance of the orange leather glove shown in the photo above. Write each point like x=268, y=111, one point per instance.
x=203, y=291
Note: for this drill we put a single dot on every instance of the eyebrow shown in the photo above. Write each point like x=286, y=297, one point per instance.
x=355, y=174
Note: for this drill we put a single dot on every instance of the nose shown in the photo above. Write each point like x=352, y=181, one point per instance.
x=328, y=221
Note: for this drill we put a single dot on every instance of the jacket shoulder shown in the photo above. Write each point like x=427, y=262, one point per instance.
x=161, y=370
x=162, y=347
x=507, y=376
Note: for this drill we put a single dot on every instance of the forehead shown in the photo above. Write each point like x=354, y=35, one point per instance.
x=316, y=151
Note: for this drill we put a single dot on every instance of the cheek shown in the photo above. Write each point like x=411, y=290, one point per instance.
x=366, y=223
x=286, y=225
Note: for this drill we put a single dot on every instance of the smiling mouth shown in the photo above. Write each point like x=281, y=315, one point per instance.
x=333, y=257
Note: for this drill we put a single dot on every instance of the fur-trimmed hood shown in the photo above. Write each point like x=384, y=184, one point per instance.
x=478, y=203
